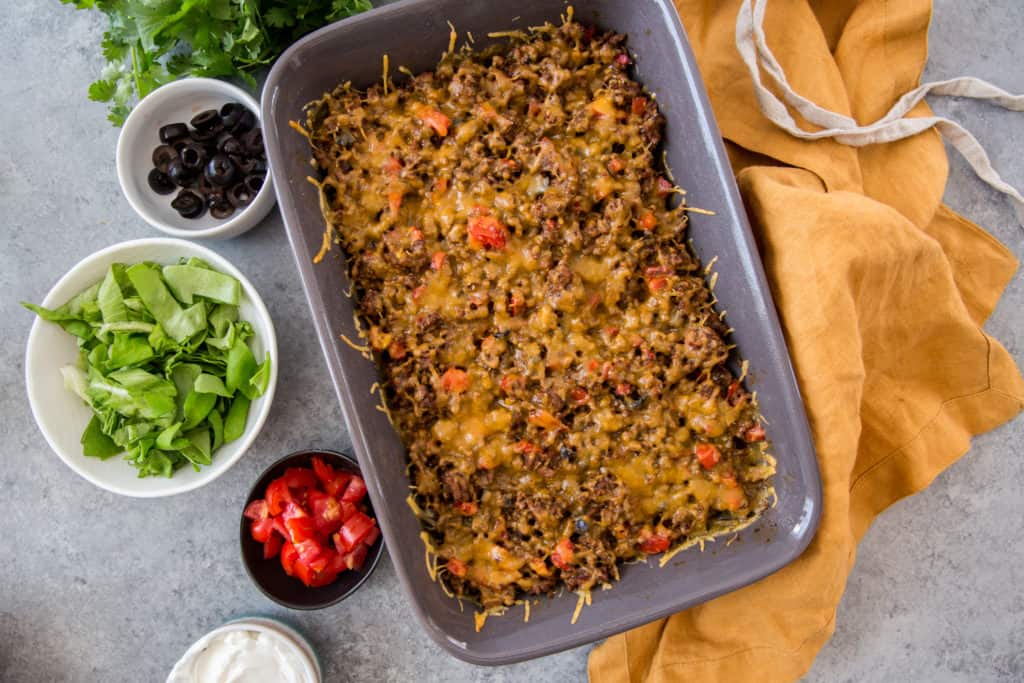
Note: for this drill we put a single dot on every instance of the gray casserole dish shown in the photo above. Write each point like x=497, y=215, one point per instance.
x=414, y=33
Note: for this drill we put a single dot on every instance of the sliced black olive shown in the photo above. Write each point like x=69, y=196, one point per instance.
x=230, y=145
x=179, y=174
x=240, y=195
x=163, y=156
x=221, y=209
x=172, y=132
x=160, y=182
x=193, y=156
x=220, y=171
x=253, y=141
x=230, y=114
x=206, y=120
x=189, y=204
x=246, y=120
x=204, y=136
x=254, y=181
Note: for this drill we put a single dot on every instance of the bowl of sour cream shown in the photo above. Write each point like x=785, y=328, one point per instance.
x=254, y=650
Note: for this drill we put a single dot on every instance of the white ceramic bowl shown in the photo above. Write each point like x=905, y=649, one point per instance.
x=62, y=416
x=290, y=641
x=175, y=102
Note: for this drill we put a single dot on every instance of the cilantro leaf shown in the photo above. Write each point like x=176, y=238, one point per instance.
x=152, y=42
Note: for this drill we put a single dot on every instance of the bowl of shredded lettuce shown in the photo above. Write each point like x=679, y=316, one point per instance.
x=151, y=367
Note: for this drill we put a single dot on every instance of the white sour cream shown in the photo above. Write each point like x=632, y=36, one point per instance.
x=242, y=656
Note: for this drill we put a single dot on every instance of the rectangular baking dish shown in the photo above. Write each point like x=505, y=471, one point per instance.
x=414, y=33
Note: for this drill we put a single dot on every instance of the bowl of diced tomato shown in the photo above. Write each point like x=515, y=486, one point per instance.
x=309, y=536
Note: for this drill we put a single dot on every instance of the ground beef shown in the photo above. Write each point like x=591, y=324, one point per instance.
x=549, y=348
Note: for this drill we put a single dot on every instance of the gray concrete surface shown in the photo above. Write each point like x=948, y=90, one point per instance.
x=95, y=587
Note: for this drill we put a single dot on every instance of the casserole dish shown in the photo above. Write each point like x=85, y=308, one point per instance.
x=414, y=34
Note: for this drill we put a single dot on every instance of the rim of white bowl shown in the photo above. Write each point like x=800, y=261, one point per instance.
x=295, y=641
x=252, y=430
x=152, y=102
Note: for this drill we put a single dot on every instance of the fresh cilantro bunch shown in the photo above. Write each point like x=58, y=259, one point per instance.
x=152, y=42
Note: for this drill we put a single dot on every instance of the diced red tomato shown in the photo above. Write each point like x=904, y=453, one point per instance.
x=355, y=559
x=355, y=491
x=468, y=508
x=526, y=447
x=310, y=551
x=396, y=350
x=302, y=509
x=299, y=478
x=395, y=202
x=665, y=186
x=393, y=166
x=563, y=553
x=278, y=496
x=457, y=567
x=656, y=284
x=454, y=381
x=435, y=119
x=733, y=392
x=579, y=395
x=708, y=455
x=754, y=434
x=511, y=382
x=322, y=470
x=354, y=530
x=487, y=232
x=272, y=547
x=256, y=510
x=437, y=260
x=326, y=512
x=262, y=530
x=655, y=543
x=288, y=556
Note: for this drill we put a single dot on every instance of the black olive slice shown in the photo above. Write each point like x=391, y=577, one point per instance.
x=179, y=174
x=206, y=120
x=189, y=204
x=231, y=146
x=254, y=181
x=163, y=156
x=230, y=114
x=241, y=195
x=246, y=120
x=193, y=156
x=172, y=132
x=253, y=141
x=220, y=171
x=160, y=182
x=221, y=209
x=204, y=136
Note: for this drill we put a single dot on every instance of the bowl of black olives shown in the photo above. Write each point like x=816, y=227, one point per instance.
x=191, y=160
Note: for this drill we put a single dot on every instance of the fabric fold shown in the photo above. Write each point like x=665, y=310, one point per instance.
x=881, y=291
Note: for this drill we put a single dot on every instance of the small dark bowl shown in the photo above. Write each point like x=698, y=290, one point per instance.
x=269, y=576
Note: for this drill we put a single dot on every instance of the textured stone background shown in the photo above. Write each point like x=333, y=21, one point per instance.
x=96, y=587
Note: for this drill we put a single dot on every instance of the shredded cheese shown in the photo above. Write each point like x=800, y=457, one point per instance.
x=363, y=350
x=584, y=599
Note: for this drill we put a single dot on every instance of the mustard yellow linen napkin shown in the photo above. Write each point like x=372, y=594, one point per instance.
x=882, y=291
